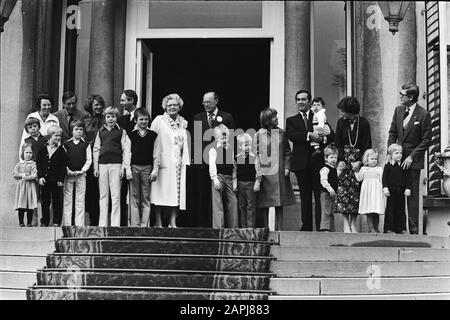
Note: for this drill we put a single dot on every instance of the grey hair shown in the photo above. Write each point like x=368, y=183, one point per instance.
x=172, y=96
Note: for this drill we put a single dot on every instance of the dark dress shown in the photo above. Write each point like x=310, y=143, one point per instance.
x=351, y=145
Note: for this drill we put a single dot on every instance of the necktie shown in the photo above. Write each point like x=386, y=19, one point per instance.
x=69, y=119
x=406, y=113
x=210, y=119
x=305, y=118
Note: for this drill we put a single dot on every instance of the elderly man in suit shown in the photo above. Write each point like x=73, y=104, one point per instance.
x=411, y=128
x=69, y=113
x=199, y=184
x=306, y=163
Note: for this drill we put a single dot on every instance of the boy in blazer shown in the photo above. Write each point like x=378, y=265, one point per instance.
x=411, y=128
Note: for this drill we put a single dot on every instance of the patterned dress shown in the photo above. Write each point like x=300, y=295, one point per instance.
x=347, y=197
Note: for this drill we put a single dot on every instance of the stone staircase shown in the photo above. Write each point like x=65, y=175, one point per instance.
x=156, y=263
x=22, y=252
x=317, y=266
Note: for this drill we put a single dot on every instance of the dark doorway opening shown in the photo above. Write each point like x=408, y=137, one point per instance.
x=238, y=70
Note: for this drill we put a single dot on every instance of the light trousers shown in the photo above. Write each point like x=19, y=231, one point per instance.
x=140, y=195
x=79, y=184
x=224, y=204
x=109, y=183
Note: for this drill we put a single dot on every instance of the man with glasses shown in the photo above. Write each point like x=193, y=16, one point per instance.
x=411, y=128
x=199, y=183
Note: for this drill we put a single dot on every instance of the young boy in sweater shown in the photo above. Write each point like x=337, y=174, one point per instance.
x=328, y=180
x=79, y=160
x=112, y=158
x=51, y=168
x=142, y=142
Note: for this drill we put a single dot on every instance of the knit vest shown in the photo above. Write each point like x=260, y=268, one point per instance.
x=332, y=178
x=224, y=164
x=110, y=145
x=142, y=147
x=245, y=168
x=76, y=154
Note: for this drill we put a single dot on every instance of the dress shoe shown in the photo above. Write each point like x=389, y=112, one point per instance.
x=404, y=232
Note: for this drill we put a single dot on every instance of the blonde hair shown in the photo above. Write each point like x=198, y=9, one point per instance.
x=393, y=147
x=367, y=154
x=243, y=137
x=111, y=110
x=53, y=130
x=220, y=131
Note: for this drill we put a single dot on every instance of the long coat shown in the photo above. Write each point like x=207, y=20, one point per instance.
x=273, y=155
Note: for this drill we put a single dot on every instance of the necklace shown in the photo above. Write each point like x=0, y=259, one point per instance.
x=357, y=134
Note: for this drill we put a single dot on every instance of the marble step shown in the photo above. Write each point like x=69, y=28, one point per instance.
x=21, y=263
x=291, y=253
x=33, y=233
x=13, y=294
x=147, y=279
x=419, y=296
x=159, y=261
x=256, y=234
x=324, y=239
x=361, y=286
x=351, y=269
x=27, y=247
x=162, y=246
x=53, y=293
x=17, y=280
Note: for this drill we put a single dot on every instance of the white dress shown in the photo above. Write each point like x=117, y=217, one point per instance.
x=171, y=149
x=371, y=197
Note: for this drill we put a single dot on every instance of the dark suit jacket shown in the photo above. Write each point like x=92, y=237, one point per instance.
x=200, y=120
x=64, y=124
x=297, y=132
x=52, y=169
x=415, y=138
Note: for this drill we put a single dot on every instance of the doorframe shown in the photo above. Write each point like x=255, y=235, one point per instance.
x=272, y=28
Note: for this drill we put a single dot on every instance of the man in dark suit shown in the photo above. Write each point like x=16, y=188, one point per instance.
x=411, y=128
x=306, y=163
x=68, y=114
x=128, y=102
x=199, y=182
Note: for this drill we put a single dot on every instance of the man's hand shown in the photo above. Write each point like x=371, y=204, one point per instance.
x=323, y=131
x=386, y=192
x=42, y=181
x=60, y=184
x=407, y=163
x=407, y=192
x=314, y=137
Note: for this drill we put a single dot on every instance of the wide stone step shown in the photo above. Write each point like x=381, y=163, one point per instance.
x=17, y=280
x=290, y=253
x=26, y=247
x=127, y=279
x=159, y=261
x=349, y=269
x=13, y=294
x=41, y=293
x=255, y=234
x=35, y=233
x=21, y=263
x=323, y=239
x=162, y=246
x=363, y=286
x=420, y=296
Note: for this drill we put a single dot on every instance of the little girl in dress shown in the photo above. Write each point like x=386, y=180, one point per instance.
x=371, y=198
x=26, y=193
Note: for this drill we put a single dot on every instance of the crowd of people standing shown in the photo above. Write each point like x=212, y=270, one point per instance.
x=116, y=165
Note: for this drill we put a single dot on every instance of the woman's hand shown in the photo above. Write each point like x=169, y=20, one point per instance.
x=42, y=181
x=408, y=192
x=60, y=184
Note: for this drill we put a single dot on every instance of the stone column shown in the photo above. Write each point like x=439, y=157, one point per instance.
x=120, y=19
x=297, y=52
x=101, y=53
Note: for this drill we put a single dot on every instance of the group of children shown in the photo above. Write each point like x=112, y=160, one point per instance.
x=391, y=182
x=47, y=166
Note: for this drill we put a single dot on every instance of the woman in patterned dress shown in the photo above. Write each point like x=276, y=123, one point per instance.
x=352, y=139
x=171, y=155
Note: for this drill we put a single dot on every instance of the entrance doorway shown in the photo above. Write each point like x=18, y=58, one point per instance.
x=238, y=70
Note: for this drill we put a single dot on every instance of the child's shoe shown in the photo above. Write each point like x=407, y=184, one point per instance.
x=29, y=225
x=21, y=225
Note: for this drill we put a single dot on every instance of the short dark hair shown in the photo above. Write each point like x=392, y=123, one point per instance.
x=318, y=99
x=131, y=94
x=68, y=95
x=265, y=117
x=90, y=101
x=42, y=96
x=77, y=124
x=349, y=104
x=304, y=91
x=30, y=121
x=412, y=91
x=141, y=112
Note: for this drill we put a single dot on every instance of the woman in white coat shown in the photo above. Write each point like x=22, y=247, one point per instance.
x=171, y=156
